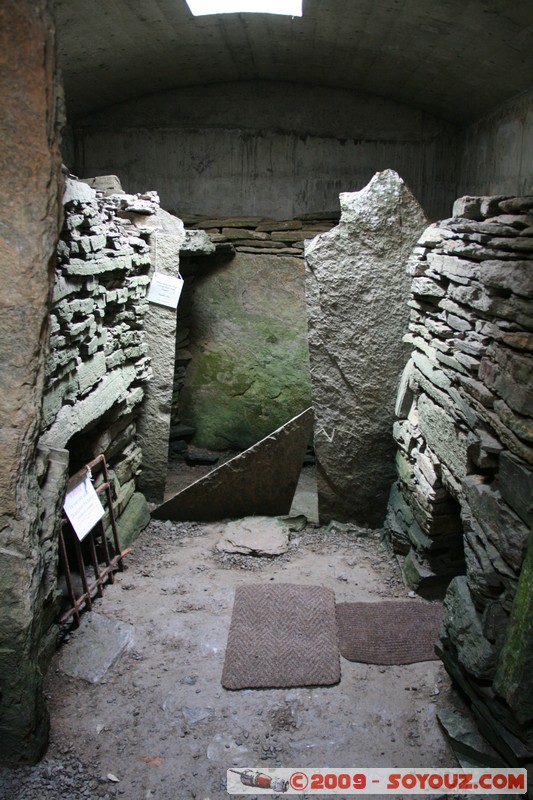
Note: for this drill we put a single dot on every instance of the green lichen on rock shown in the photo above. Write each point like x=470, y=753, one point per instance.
x=514, y=674
x=133, y=520
x=250, y=371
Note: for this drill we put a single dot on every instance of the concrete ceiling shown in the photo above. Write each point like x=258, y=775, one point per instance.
x=456, y=59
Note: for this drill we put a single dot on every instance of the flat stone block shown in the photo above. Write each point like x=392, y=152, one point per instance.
x=95, y=646
x=501, y=525
x=462, y=624
x=258, y=536
x=515, y=482
x=443, y=435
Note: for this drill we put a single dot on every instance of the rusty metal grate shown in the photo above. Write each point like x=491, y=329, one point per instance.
x=104, y=562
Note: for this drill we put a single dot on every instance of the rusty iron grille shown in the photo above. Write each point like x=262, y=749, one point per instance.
x=104, y=556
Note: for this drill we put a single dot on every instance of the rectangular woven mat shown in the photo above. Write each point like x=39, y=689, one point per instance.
x=389, y=632
x=282, y=635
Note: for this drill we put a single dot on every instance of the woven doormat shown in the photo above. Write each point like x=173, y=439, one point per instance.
x=282, y=635
x=388, y=632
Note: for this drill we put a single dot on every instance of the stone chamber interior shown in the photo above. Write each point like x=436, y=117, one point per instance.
x=347, y=240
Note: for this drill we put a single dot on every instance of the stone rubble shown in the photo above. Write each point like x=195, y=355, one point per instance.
x=462, y=505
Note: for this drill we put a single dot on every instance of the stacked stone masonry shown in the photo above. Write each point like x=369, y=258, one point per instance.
x=463, y=502
x=98, y=365
x=262, y=235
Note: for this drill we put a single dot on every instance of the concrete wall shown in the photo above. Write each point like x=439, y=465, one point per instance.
x=267, y=149
x=29, y=189
x=496, y=153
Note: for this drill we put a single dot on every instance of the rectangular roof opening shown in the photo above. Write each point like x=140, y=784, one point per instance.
x=289, y=8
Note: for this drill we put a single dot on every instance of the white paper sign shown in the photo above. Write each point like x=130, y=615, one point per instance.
x=83, y=507
x=165, y=290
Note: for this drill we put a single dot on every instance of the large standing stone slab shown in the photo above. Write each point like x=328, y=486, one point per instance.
x=260, y=481
x=357, y=292
x=29, y=228
x=154, y=421
x=250, y=366
x=258, y=536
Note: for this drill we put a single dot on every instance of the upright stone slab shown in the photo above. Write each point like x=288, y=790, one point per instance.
x=357, y=291
x=154, y=422
x=29, y=216
x=250, y=366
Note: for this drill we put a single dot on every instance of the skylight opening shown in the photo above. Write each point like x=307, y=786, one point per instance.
x=288, y=8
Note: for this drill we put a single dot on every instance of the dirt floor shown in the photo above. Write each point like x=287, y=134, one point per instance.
x=160, y=726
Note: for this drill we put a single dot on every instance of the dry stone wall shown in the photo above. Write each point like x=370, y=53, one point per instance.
x=462, y=507
x=98, y=366
x=264, y=235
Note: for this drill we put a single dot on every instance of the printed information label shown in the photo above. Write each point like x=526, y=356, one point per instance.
x=83, y=507
x=165, y=290
x=363, y=781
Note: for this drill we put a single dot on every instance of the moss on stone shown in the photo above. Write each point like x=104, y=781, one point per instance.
x=133, y=520
x=514, y=674
x=250, y=371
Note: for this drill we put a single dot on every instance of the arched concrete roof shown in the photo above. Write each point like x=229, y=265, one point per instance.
x=456, y=59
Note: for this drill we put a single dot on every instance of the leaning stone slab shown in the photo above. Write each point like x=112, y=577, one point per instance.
x=94, y=647
x=260, y=481
x=357, y=291
x=255, y=536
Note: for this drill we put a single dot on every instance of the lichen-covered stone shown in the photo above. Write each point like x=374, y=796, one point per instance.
x=133, y=520
x=514, y=674
x=250, y=367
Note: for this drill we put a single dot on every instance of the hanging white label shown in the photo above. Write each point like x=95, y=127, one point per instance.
x=83, y=507
x=165, y=290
